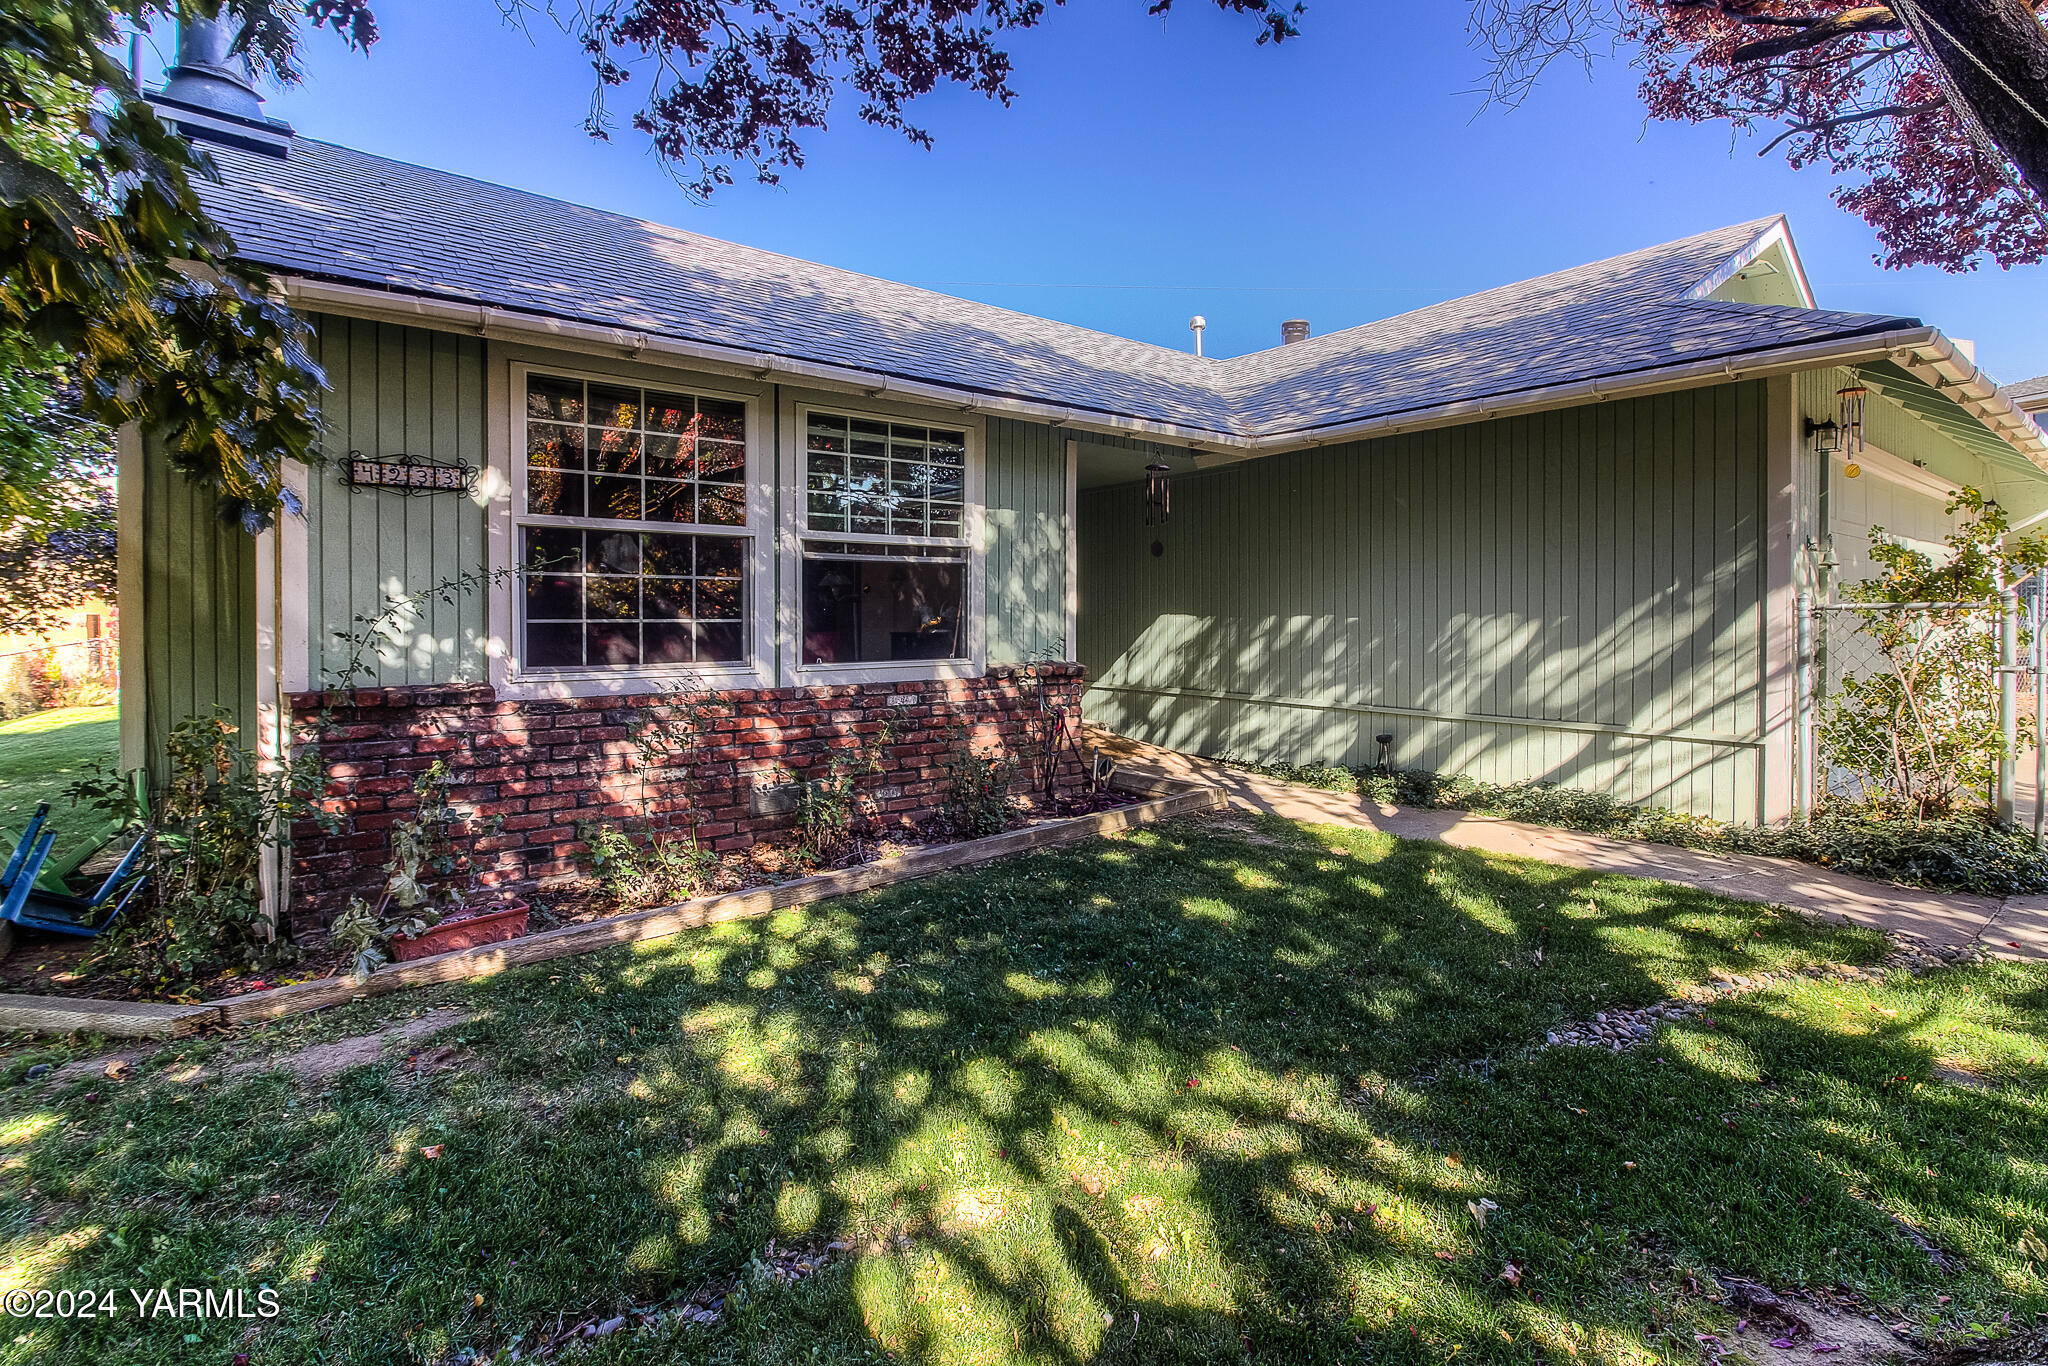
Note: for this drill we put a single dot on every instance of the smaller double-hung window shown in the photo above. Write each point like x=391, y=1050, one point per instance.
x=632, y=533
x=885, y=550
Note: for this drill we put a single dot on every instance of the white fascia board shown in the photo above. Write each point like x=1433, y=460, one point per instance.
x=1756, y=365
x=499, y=324
x=1941, y=364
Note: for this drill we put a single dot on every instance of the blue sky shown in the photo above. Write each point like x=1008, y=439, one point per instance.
x=1153, y=169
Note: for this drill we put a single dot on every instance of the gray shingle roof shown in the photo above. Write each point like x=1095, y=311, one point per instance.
x=333, y=213
x=2028, y=392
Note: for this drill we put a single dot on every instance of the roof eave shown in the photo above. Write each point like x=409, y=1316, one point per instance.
x=1947, y=368
x=511, y=325
x=1923, y=351
x=1759, y=364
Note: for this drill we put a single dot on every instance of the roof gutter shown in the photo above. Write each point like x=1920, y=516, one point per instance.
x=1922, y=351
x=1945, y=367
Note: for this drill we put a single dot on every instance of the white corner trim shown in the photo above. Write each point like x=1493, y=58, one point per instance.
x=1070, y=529
x=295, y=664
x=494, y=492
x=1778, y=629
x=128, y=579
x=282, y=664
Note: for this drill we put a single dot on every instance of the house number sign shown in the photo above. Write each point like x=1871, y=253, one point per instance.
x=409, y=474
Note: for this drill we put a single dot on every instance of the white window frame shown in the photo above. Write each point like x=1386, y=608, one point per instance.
x=508, y=494
x=796, y=418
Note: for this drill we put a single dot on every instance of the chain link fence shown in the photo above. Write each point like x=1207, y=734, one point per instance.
x=1976, y=665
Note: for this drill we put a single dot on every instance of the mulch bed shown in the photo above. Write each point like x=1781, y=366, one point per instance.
x=44, y=964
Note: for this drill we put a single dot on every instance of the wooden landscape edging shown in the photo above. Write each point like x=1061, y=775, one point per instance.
x=125, y=1019
x=62, y=1014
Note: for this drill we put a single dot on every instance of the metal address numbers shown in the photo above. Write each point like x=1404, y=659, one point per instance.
x=409, y=474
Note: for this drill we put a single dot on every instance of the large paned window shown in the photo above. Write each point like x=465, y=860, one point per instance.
x=885, y=555
x=632, y=532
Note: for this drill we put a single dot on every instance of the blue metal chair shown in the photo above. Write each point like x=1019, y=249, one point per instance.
x=27, y=900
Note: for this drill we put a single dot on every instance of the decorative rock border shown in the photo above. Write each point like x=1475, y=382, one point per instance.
x=145, y=1019
x=1616, y=1030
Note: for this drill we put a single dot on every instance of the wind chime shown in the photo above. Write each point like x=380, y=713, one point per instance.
x=1158, y=499
x=1849, y=403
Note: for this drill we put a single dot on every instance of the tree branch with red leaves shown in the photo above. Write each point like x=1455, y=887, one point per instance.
x=1937, y=128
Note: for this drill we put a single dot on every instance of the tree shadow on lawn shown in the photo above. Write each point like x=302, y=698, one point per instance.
x=1171, y=1097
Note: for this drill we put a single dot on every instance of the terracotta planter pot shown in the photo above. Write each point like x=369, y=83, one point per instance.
x=466, y=932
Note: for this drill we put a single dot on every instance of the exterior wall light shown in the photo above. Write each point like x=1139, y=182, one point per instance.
x=1825, y=436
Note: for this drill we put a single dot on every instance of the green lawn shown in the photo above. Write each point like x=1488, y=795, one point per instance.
x=43, y=753
x=1175, y=1097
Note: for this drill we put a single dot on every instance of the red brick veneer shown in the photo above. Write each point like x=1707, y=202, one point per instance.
x=538, y=768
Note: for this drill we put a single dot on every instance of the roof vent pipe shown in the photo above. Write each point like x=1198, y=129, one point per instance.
x=210, y=74
x=1195, y=325
x=211, y=94
x=1293, y=330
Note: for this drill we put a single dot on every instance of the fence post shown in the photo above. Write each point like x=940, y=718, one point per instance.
x=2008, y=698
x=1804, y=762
x=2036, y=619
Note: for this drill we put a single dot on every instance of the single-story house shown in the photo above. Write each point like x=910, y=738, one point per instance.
x=1551, y=531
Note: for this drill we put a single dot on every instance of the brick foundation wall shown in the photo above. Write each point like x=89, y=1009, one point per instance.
x=525, y=773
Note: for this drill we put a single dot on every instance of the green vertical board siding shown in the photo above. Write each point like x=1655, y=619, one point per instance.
x=1025, y=494
x=396, y=391
x=198, y=608
x=1575, y=597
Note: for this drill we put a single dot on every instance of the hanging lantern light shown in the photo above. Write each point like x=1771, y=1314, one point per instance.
x=1825, y=436
x=1158, y=494
x=1850, y=400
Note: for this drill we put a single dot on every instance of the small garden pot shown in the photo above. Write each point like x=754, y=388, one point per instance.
x=464, y=931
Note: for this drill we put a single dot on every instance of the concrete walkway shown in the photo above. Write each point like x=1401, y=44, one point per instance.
x=2013, y=928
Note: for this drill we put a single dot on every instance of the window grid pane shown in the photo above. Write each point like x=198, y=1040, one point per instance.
x=619, y=599
x=630, y=454
x=883, y=478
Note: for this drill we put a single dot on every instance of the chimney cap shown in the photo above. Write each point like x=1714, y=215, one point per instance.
x=211, y=93
x=210, y=73
x=1293, y=330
